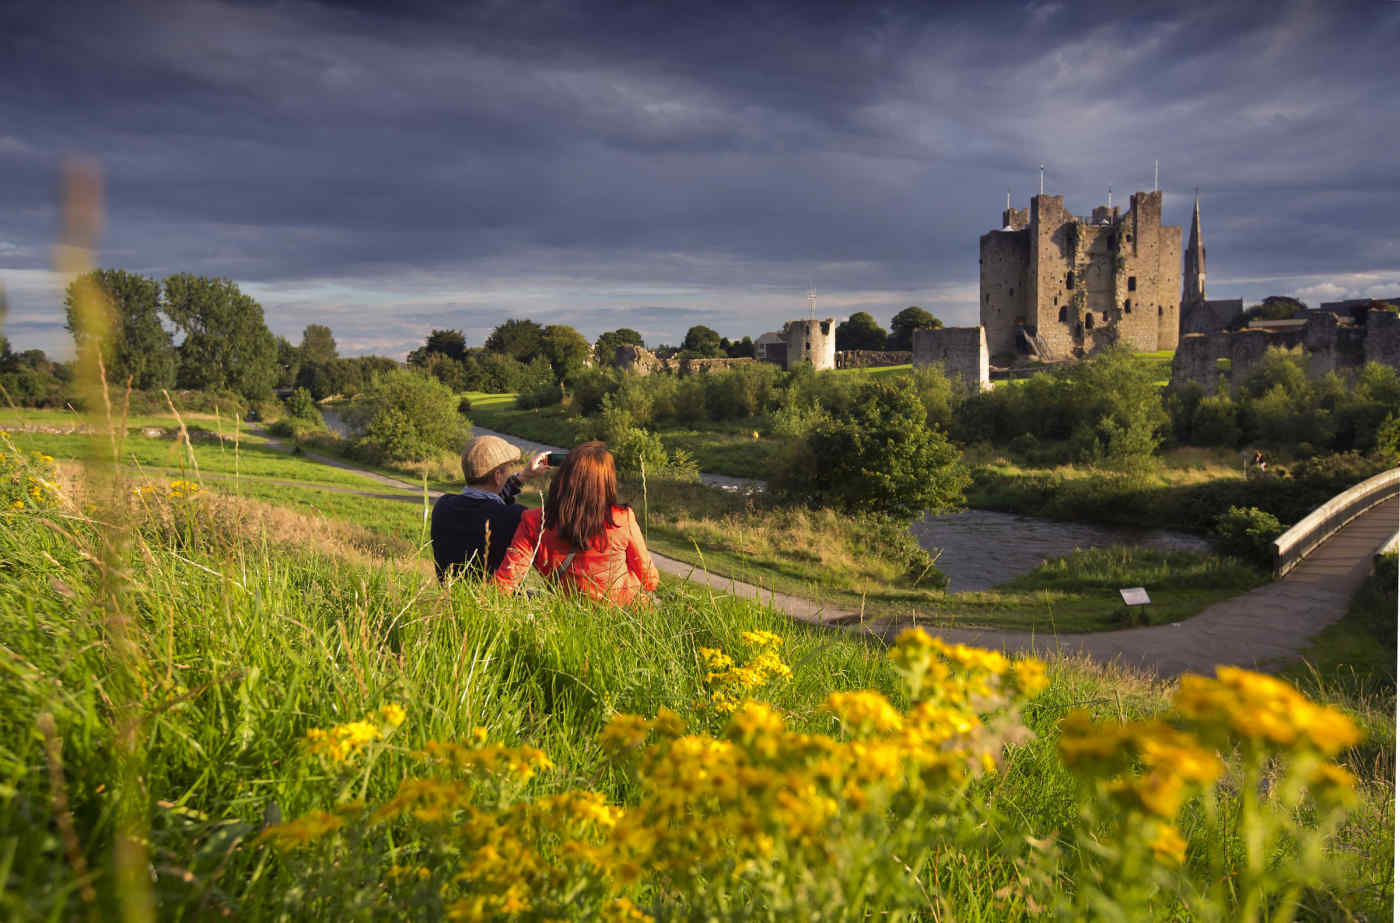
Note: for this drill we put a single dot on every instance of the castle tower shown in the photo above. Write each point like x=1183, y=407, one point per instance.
x=1193, y=276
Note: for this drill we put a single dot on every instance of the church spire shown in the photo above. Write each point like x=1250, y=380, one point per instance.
x=1193, y=276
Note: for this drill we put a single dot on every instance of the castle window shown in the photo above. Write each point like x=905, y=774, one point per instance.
x=1127, y=306
x=1088, y=322
x=1129, y=238
x=1132, y=283
x=987, y=297
x=1069, y=280
x=1159, y=310
x=1011, y=292
x=1064, y=312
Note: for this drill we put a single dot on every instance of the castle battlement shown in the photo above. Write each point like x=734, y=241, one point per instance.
x=1068, y=285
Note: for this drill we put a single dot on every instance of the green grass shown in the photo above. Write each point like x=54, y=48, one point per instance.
x=169, y=456
x=244, y=641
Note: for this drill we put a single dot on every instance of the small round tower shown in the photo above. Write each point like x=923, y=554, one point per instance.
x=813, y=341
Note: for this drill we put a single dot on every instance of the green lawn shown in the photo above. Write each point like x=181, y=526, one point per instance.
x=171, y=457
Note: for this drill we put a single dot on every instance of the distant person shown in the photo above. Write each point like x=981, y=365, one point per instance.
x=583, y=539
x=1259, y=461
x=485, y=511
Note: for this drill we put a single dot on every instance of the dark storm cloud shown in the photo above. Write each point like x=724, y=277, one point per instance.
x=399, y=167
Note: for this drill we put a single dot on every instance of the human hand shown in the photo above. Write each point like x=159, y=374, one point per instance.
x=536, y=468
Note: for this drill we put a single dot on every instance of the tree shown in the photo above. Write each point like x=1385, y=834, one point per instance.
x=227, y=345
x=605, y=347
x=133, y=341
x=288, y=363
x=860, y=331
x=408, y=416
x=877, y=455
x=317, y=344
x=702, y=342
x=449, y=343
x=740, y=349
x=903, y=325
x=519, y=339
x=566, y=349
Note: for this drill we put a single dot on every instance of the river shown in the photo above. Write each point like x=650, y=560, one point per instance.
x=981, y=549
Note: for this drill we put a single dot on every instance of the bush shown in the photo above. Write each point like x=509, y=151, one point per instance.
x=589, y=387
x=1248, y=534
x=1388, y=438
x=300, y=406
x=638, y=450
x=464, y=406
x=545, y=395
x=1215, y=421
x=878, y=457
x=407, y=416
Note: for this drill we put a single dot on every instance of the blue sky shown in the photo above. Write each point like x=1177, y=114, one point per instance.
x=391, y=169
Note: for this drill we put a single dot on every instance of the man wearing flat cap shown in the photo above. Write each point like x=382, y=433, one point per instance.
x=485, y=511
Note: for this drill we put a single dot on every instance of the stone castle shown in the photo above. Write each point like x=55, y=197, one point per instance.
x=1057, y=286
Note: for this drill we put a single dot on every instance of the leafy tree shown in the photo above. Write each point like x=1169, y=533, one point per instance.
x=605, y=347
x=134, y=344
x=566, y=349
x=702, y=342
x=877, y=455
x=30, y=379
x=302, y=406
x=861, y=331
x=317, y=344
x=519, y=339
x=227, y=345
x=289, y=360
x=449, y=343
x=903, y=325
x=408, y=416
x=741, y=349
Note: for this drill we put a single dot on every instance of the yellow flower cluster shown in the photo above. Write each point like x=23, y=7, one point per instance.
x=1149, y=768
x=340, y=743
x=175, y=490
x=28, y=482
x=719, y=809
x=1263, y=709
x=960, y=675
x=730, y=683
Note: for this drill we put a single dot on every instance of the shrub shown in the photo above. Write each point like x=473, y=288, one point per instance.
x=544, y=395
x=301, y=406
x=1215, y=421
x=635, y=449
x=588, y=388
x=876, y=457
x=1248, y=533
x=407, y=416
x=464, y=406
x=1388, y=438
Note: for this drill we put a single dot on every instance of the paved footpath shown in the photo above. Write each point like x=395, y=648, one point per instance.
x=1263, y=629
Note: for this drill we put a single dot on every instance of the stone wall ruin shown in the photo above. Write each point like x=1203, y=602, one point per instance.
x=962, y=351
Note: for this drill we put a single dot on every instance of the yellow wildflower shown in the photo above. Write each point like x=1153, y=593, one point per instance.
x=1168, y=846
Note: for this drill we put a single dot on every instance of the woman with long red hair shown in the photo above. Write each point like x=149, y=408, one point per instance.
x=583, y=539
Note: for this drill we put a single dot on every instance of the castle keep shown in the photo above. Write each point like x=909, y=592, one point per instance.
x=1059, y=286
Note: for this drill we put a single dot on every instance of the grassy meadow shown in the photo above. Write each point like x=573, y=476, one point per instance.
x=203, y=697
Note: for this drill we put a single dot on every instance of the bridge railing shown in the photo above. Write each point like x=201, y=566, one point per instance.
x=1315, y=528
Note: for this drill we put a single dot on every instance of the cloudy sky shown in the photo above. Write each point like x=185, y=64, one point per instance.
x=391, y=168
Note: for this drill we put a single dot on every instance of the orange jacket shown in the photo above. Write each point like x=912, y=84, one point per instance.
x=617, y=568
